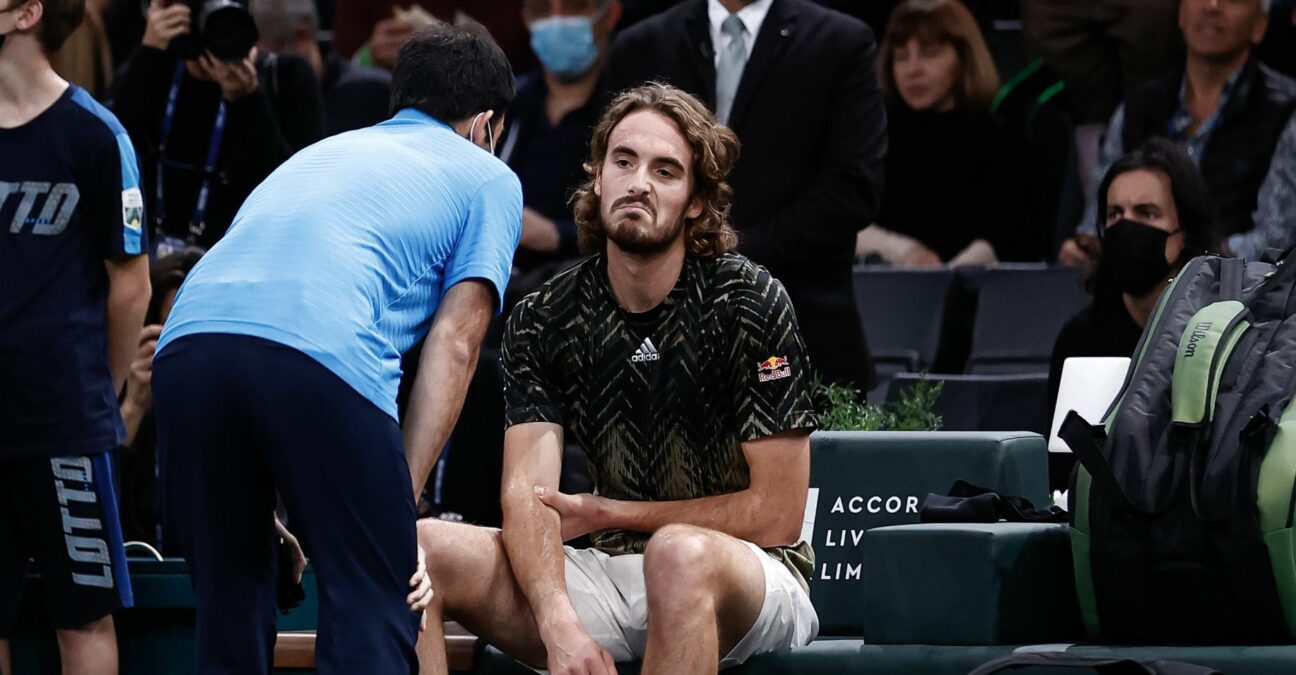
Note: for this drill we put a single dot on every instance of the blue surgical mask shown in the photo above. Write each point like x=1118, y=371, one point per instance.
x=565, y=44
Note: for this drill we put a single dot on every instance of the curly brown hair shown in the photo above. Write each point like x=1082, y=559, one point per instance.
x=715, y=149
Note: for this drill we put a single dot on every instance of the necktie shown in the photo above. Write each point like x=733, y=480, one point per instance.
x=730, y=68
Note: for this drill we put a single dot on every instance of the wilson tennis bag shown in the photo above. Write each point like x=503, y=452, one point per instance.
x=1182, y=503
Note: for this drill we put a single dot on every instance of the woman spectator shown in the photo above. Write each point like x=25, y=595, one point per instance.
x=947, y=162
x=1157, y=216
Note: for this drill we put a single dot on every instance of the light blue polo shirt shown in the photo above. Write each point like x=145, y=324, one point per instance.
x=346, y=250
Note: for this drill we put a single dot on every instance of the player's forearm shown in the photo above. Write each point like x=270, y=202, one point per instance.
x=128, y=297
x=745, y=515
x=445, y=369
x=533, y=542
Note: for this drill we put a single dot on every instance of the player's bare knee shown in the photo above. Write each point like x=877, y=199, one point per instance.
x=677, y=561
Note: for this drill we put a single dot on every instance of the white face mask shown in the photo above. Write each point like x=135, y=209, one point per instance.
x=490, y=133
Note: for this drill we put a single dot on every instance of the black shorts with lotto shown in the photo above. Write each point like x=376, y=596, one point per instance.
x=58, y=518
x=241, y=418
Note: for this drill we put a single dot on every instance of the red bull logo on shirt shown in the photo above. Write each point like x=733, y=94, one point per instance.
x=773, y=368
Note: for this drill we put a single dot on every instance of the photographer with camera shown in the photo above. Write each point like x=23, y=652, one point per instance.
x=211, y=115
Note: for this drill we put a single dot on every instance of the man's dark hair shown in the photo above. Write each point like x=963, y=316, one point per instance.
x=1191, y=196
x=58, y=19
x=451, y=72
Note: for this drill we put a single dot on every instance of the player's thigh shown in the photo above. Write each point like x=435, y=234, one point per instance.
x=475, y=585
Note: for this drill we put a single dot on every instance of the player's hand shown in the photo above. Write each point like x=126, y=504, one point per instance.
x=165, y=23
x=573, y=652
x=237, y=79
x=538, y=233
x=139, y=388
x=580, y=514
x=386, y=40
x=421, y=596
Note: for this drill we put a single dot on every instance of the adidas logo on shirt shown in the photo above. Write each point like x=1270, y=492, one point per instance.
x=645, y=352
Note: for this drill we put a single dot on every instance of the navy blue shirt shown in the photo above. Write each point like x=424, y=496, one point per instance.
x=549, y=159
x=69, y=200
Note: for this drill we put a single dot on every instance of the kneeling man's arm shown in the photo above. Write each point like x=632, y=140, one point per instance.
x=768, y=513
x=446, y=367
x=532, y=540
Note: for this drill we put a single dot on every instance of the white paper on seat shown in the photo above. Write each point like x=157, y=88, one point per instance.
x=1089, y=385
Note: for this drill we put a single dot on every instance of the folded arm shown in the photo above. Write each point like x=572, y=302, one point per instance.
x=767, y=513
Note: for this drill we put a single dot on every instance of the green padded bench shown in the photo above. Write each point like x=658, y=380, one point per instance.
x=863, y=480
x=970, y=584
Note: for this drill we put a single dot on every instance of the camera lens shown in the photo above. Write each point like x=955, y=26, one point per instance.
x=227, y=28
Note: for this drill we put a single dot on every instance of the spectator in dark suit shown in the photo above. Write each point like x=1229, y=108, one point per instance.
x=355, y=96
x=798, y=84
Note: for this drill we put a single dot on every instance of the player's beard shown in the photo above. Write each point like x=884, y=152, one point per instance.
x=629, y=236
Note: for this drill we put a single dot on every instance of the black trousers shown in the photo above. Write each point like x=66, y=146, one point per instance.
x=240, y=418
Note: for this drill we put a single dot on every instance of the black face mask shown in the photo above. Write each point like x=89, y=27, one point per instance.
x=1136, y=253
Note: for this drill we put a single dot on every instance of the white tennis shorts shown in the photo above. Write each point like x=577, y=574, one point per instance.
x=609, y=596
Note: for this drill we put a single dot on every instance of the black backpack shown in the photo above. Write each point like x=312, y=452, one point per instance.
x=1183, y=499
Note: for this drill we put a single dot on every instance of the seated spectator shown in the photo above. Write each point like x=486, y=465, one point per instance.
x=1233, y=117
x=139, y=513
x=355, y=96
x=550, y=121
x=946, y=158
x=1157, y=216
x=372, y=31
x=208, y=132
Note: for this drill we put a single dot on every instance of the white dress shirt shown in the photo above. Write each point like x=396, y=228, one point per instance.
x=752, y=16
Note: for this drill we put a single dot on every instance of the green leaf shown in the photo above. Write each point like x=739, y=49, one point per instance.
x=842, y=409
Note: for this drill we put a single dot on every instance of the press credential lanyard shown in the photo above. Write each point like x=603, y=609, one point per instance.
x=199, y=221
